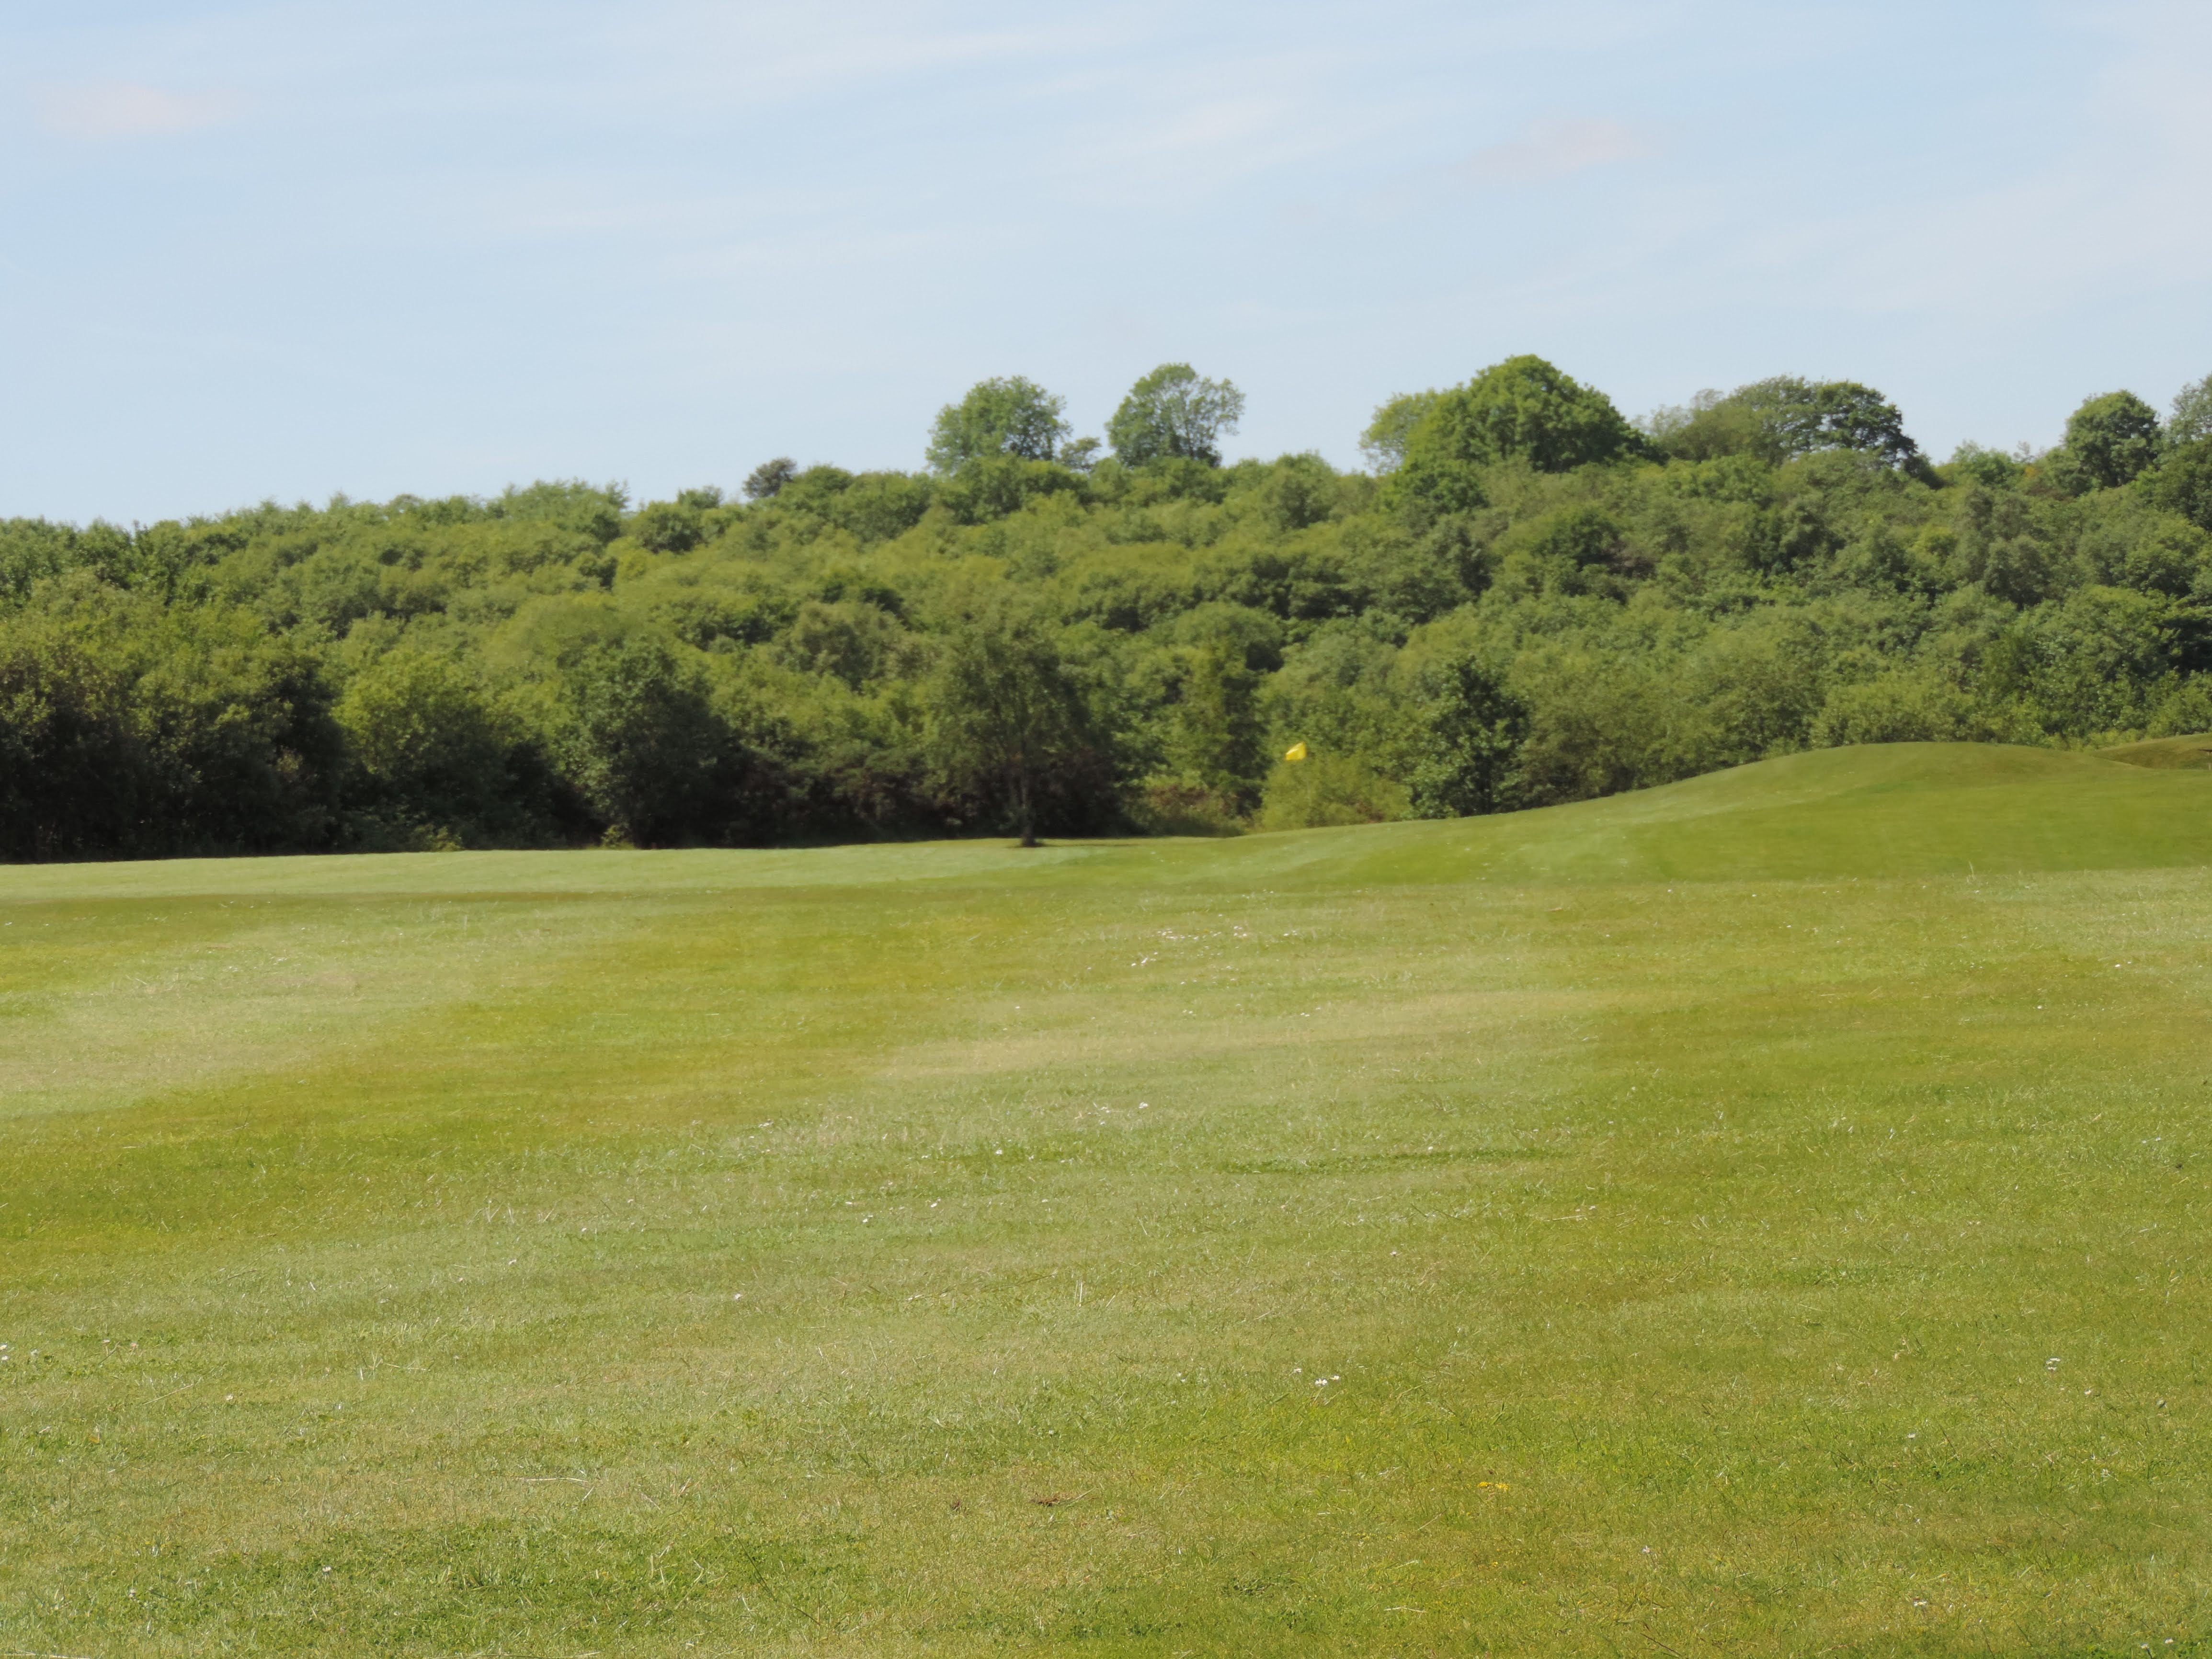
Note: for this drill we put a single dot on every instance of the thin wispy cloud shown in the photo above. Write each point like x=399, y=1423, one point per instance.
x=1553, y=150
x=104, y=109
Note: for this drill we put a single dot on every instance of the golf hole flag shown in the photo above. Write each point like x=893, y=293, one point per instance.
x=1297, y=751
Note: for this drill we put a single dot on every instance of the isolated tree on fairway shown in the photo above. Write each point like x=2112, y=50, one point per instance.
x=2113, y=438
x=1010, y=415
x=1174, y=415
x=1004, y=715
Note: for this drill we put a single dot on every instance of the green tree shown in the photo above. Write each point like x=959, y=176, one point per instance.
x=1472, y=729
x=1213, y=741
x=766, y=481
x=1004, y=416
x=2192, y=413
x=2112, y=439
x=669, y=527
x=1784, y=416
x=995, y=486
x=1383, y=442
x=1990, y=468
x=437, y=756
x=1008, y=727
x=1523, y=409
x=645, y=745
x=2184, y=483
x=1174, y=415
x=74, y=778
x=1299, y=492
x=129, y=727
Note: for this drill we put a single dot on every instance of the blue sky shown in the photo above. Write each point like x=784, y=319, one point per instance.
x=286, y=250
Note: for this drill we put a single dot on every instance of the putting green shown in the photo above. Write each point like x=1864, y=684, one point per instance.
x=1763, y=1215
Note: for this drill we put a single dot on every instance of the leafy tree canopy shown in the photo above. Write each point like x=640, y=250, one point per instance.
x=1521, y=409
x=1383, y=443
x=1007, y=724
x=767, y=479
x=1778, y=419
x=2113, y=439
x=1173, y=414
x=1534, y=606
x=2192, y=413
x=1012, y=416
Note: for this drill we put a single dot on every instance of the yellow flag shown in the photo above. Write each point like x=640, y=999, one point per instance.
x=1297, y=751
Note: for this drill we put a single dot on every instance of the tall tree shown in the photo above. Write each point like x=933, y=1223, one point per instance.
x=2184, y=483
x=767, y=479
x=1173, y=414
x=1383, y=443
x=1782, y=416
x=2113, y=438
x=645, y=743
x=2192, y=413
x=1005, y=716
x=1012, y=416
x=1523, y=409
x=1473, y=729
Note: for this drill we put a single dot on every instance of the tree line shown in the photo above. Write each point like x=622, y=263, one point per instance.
x=1525, y=597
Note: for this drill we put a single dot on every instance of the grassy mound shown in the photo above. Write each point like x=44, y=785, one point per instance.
x=2165, y=753
x=1763, y=1215
x=1892, y=811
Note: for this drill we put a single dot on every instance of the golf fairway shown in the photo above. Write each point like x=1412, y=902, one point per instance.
x=1763, y=1215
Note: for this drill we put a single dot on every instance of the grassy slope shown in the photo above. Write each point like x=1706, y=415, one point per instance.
x=2193, y=751
x=1686, y=1194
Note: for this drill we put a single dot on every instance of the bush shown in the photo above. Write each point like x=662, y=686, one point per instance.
x=1901, y=707
x=1326, y=790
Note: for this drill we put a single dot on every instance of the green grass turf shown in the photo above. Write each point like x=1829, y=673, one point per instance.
x=1760, y=1216
x=2190, y=751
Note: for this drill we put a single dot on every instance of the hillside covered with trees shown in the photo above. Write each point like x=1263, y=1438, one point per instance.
x=1528, y=598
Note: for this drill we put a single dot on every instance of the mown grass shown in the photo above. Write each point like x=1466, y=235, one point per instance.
x=1763, y=1216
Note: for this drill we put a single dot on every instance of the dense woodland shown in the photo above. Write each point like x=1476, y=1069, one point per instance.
x=1527, y=599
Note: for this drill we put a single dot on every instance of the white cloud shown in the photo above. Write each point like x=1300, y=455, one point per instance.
x=1555, y=149
x=126, y=109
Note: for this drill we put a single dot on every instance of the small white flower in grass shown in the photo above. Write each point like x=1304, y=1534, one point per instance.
x=2052, y=1364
